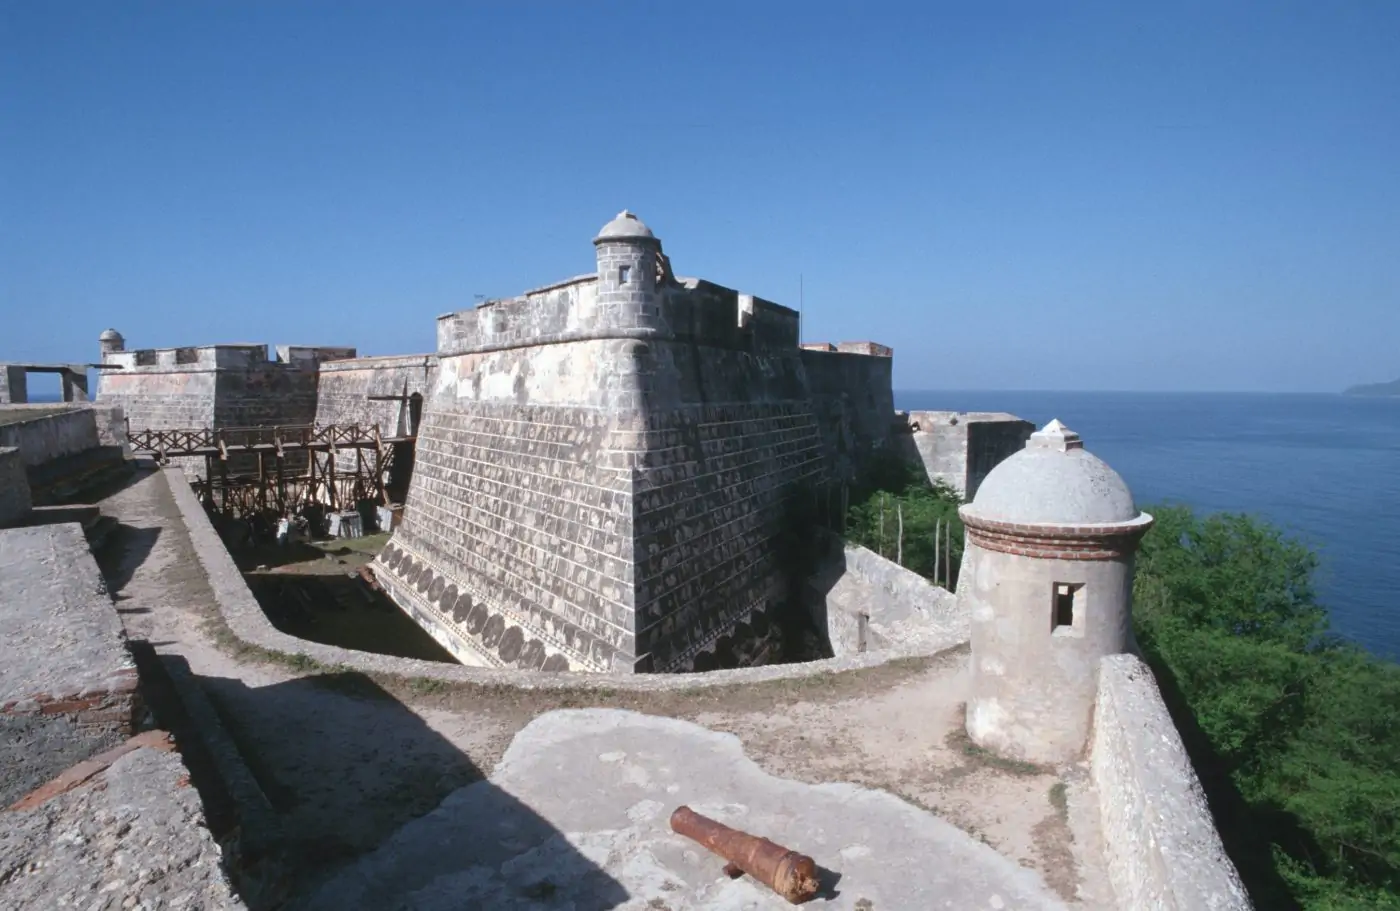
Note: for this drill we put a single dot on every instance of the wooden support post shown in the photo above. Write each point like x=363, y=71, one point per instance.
x=880, y=542
x=948, y=557
x=899, y=546
x=937, y=542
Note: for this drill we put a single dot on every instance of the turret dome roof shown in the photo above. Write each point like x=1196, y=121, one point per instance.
x=1054, y=480
x=625, y=225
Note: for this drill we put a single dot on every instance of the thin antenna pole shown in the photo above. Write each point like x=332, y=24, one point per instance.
x=800, y=307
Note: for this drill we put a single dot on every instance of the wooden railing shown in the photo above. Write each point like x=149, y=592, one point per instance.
x=166, y=444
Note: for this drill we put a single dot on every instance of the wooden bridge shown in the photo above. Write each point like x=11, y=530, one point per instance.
x=267, y=471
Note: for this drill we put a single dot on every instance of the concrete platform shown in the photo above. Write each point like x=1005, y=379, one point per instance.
x=62, y=648
x=576, y=817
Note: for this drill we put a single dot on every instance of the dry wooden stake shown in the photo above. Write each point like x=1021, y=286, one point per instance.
x=899, y=546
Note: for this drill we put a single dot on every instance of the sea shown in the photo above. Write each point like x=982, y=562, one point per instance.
x=1324, y=468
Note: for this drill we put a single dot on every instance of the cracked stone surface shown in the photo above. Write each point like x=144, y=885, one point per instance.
x=576, y=816
x=131, y=837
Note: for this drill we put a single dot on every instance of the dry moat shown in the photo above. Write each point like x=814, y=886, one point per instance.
x=313, y=590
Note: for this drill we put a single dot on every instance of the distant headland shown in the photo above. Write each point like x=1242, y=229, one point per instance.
x=1391, y=388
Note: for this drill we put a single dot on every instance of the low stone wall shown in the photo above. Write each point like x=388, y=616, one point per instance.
x=245, y=618
x=53, y=435
x=1160, y=842
x=14, y=487
x=865, y=603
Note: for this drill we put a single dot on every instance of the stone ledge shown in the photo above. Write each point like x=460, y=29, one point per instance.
x=244, y=617
x=62, y=647
x=115, y=701
x=1160, y=842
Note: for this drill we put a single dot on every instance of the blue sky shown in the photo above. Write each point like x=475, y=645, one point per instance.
x=1189, y=196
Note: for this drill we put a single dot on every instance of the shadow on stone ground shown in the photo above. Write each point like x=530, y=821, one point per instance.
x=126, y=548
x=344, y=764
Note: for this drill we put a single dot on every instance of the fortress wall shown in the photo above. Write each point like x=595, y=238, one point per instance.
x=1160, y=841
x=617, y=503
x=696, y=311
x=14, y=385
x=15, y=502
x=853, y=402
x=730, y=439
x=51, y=435
x=515, y=548
x=267, y=394
x=161, y=399
x=344, y=388
x=961, y=448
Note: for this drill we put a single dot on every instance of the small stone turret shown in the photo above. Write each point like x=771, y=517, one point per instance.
x=1047, y=578
x=110, y=342
x=627, y=268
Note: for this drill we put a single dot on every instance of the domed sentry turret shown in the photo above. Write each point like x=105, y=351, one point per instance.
x=1047, y=578
x=627, y=267
x=111, y=341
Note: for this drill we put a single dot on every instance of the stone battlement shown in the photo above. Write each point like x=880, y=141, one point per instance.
x=222, y=357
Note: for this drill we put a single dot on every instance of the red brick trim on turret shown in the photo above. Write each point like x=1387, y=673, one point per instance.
x=1058, y=542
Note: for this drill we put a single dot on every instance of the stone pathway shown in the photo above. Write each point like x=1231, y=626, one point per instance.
x=576, y=817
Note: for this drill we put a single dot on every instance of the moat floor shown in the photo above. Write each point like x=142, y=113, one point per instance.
x=347, y=764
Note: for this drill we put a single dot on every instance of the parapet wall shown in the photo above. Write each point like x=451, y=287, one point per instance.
x=215, y=385
x=865, y=602
x=15, y=501
x=693, y=310
x=1160, y=842
x=51, y=435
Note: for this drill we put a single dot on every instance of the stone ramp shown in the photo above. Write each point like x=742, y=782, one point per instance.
x=577, y=814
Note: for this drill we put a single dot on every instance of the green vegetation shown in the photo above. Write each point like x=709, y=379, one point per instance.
x=896, y=490
x=1294, y=733
x=1382, y=389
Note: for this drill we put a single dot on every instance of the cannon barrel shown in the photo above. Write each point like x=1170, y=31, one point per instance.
x=791, y=875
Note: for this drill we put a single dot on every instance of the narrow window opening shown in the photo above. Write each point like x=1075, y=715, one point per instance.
x=623, y=274
x=1066, y=596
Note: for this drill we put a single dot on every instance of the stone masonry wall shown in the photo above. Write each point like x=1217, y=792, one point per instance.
x=1160, y=841
x=14, y=487
x=14, y=384
x=961, y=448
x=269, y=395
x=864, y=602
x=853, y=402
x=602, y=504
x=49, y=436
x=515, y=547
x=731, y=439
x=344, y=389
x=161, y=399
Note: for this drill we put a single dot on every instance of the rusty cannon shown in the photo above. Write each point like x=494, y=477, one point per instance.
x=791, y=875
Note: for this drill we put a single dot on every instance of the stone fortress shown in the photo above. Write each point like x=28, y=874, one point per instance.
x=603, y=466
x=606, y=475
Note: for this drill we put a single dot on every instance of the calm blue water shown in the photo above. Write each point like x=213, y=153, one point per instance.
x=1326, y=468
